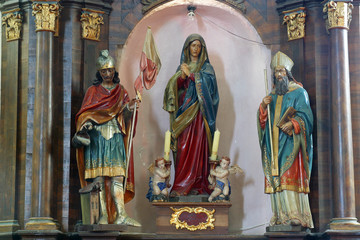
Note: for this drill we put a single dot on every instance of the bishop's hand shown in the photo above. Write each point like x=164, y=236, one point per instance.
x=266, y=101
x=287, y=128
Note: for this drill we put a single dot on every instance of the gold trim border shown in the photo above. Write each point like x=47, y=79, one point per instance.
x=183, y=225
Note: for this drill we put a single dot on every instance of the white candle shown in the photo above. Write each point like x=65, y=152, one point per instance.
x=167, y=145
x=215, y=145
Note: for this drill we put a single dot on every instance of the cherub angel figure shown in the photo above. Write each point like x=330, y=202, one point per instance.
x=159, y=182
x=218, y=178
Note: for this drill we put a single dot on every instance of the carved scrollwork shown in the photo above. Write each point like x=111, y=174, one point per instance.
x=338, y=14
x=90, y=22
x=46, y=15
x=295, y=21
x=202, y=225
x=12, y=20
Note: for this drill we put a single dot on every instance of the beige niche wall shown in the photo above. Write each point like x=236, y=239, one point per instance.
x=239, y=65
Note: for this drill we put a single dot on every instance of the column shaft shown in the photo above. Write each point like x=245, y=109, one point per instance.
x=42, y=159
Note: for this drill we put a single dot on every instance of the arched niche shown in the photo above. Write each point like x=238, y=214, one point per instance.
x=239, y=59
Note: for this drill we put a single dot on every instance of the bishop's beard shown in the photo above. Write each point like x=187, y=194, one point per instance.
x=282, y=87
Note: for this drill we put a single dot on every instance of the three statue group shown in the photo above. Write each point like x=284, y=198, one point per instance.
x=191, y=97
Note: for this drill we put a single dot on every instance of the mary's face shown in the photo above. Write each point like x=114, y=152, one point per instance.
x=195, y=48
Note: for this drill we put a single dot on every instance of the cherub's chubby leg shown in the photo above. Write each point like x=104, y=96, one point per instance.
x=215, y=193
x=165, y=192
x=226, y=190
x=156, y=189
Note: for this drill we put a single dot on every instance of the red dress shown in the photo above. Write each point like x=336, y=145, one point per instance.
x=191, y=165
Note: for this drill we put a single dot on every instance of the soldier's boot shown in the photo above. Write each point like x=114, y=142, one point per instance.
x=102, y=195
x=117, y=193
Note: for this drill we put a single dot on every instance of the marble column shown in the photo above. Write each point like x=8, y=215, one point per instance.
x=337, y=23
x=45, y=14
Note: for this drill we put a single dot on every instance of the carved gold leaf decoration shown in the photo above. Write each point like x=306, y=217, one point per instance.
x=12, y=20
x=175, y=218
x=295, y=20
x=90, y=22
x=339, y=14
x=45, y=15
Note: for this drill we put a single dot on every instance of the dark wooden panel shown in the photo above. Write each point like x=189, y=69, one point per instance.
x=316, y=81
x=71, y=58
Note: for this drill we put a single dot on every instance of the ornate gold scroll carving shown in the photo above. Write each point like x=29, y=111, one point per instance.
x=90, y=22
x=175, y=218
x=295, y=21
x=12, y=20
x=46, y=14
x=339, y=14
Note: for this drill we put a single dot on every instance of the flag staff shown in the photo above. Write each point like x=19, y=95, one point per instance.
x=150, y=65
x=130, y=141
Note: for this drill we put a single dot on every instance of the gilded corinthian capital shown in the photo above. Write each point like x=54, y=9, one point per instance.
x=90, y=22
x=45, y=13
x=12, y=20
x=338, y=14
x=295, y=21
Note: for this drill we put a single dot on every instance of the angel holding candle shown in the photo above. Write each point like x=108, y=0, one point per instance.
x=159, y=183
x=219, y=178
x=191, y=98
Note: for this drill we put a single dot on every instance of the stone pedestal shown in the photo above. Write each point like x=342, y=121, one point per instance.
x=286, y=235
x=100, y=231
x=192, y=217
x=286, y=232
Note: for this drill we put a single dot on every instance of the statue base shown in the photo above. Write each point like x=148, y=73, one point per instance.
x=190, y=198
x=297, y=232
x=192, y=217
x=100, y=231
x=102, y=228
x=286, y=228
